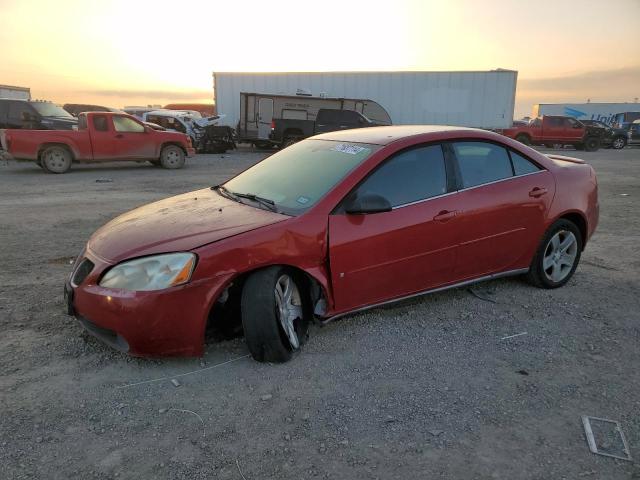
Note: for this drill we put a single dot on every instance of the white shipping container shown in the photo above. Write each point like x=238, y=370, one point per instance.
x=604, y=112
x=15, y=93
x=472, y=99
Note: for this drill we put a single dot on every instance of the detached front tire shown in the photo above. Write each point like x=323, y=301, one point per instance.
x=274, y=317
x=557, y=257
x=55, y=159
x=172, y=157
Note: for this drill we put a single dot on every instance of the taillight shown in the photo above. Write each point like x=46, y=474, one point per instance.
x=273, y=125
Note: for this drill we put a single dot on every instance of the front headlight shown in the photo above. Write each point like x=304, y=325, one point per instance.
x=151, y=273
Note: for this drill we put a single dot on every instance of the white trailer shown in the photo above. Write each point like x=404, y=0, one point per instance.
x=603, y=112
x=472, y=99
x=15, y=93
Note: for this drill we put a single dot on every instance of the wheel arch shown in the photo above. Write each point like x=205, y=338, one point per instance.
x=579, y=220
x=44, y=146
x=316, y=288
x=169, y=144
x=292, y=131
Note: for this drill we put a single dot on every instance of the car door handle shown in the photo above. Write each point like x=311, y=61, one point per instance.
x=537, y=192
x=119, y=136
x=445, y=216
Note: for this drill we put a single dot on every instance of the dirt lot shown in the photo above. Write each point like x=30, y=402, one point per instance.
x=425, y=389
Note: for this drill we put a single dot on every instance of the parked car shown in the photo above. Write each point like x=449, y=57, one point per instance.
x=553, y=129
x=285, y=132
x=101, y=136
x=334, y=224
x=634, y=133
x=612, y=137
x=76, y=109
x=206, y=136
x=34, y=115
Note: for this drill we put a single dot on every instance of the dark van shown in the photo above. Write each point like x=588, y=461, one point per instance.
x=34, y=115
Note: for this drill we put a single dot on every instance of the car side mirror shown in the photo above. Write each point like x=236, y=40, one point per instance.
x=367, y=203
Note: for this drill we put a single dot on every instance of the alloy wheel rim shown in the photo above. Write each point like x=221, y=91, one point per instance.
x=618, y=143
x=560, y=256
x=288, y=307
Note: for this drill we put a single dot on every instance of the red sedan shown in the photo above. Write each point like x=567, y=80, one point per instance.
x=337, y=223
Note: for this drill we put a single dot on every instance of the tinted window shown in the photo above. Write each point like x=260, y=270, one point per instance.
x=18, y=109
x=481, y=162
x=349, y=116
x=410, y=176
x=100, y=123
x=521, y=165
x=555, y=122
x=48, y=109
x=328, y=116
x=570, y=122
x=296, y=177
x=125, y=124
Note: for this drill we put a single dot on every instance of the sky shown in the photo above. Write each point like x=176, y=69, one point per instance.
x=139, y=52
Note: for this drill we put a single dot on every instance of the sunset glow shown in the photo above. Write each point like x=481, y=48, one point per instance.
x=139, y=52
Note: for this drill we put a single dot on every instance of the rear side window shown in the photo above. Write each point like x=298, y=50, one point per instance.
x=481, y=162
x=125, y=124
x=100, y=123
x=410, y=176
x=555, y=122
x=20, y=110
x=328, y=116
x=522, y=165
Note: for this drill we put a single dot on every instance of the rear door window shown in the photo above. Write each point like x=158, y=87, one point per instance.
x=409, y=176
x=522, y=165
x=20, y=111
x=481, y=162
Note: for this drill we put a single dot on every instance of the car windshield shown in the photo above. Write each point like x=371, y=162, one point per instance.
x=47, y=109
x=298, y=176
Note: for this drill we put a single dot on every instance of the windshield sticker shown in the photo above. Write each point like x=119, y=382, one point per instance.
x=350, y=149
x=303, y=200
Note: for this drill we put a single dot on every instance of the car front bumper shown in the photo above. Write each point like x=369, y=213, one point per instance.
x=168, y=322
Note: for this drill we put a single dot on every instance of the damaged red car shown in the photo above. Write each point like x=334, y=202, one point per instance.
x=334, y=224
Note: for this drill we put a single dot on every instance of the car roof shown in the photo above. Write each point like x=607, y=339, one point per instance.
x=169, y=113
x=388, y=134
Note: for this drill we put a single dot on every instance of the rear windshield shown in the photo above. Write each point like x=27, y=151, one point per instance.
x=47, y=109
x=298, y=176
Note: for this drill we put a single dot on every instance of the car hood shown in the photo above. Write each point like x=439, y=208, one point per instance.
x=179, y=223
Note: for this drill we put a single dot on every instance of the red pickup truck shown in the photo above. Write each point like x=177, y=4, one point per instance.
x=101, y=136
x=550, y=130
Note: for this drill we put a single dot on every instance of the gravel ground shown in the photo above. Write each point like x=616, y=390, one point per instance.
x=424, y=389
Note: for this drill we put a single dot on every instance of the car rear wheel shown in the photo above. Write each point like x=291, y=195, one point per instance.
x=172, y=157
x=56, y=159
x=523, y=139
x=557, y=256
x=591, y=144
x=619, y=142
x=274, y=318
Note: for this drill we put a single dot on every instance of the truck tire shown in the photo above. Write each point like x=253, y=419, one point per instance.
x=172, y=157
x=523, y=138
x=592, y=144
x=56, y=159
x=618, y=143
